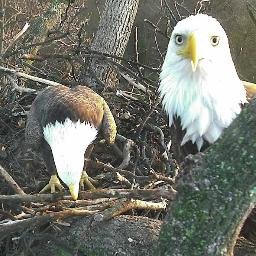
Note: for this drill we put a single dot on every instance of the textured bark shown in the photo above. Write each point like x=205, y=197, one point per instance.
x=241, y=30
x=215, y=195
x=38, y=31
x=112, y=37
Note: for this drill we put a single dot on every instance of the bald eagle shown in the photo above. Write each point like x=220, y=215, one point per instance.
x=61, y=125
x=198, y=81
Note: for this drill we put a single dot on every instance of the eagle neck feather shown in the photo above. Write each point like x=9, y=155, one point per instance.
x=205, y=102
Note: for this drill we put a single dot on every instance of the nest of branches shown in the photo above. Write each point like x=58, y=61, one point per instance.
x=135, y=176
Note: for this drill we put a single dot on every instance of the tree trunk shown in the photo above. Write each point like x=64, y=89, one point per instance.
x=237, y=17
x=38, y=31
x=112, y=37
x=215, y=196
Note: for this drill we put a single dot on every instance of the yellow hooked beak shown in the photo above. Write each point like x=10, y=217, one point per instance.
x=73, y=192
x=190, y=50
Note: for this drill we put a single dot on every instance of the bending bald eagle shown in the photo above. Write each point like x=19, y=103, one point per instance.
x=199, y=83
x=61, y=124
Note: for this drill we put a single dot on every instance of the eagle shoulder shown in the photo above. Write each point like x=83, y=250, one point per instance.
x=57, y=103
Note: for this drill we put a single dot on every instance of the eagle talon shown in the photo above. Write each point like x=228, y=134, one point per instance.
x=85, y=179
x=54, y=183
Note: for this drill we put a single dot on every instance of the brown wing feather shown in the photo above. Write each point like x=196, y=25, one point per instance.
x=60, y=102
x=108, y=125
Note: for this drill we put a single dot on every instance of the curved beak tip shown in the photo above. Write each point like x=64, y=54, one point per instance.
x=74, y=196
x=73, y=192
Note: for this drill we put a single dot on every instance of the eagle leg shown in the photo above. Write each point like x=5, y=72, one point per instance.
x=53, y=183
x=85, y=179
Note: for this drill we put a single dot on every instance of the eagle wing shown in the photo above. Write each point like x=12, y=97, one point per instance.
x=56, y=103
x=108, y=125
x=78, y=103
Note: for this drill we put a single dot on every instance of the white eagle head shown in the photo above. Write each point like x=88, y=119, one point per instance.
x=68, y=141
x=198, y=82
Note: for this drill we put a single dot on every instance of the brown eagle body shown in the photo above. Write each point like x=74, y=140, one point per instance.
x=78, y=104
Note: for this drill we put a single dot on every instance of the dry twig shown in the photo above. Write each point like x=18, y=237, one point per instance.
x=126, y=154
x=10, y=227
x=26, y=76
x=30, y=198
x=145, y=194
x=15, y=40
x=125, y=205
x=11, y=182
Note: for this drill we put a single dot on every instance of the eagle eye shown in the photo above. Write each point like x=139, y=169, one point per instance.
x=179, y=39
x=215, y=40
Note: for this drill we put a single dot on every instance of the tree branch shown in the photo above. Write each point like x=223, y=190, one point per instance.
x=11, y=182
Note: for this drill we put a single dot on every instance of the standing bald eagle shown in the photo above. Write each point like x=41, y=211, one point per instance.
x=199, y=83
x=61, y=124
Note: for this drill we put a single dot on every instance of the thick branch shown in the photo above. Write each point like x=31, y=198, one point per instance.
x=18, y=225
x=146, y=194
x=214, y=197
x=11, y=182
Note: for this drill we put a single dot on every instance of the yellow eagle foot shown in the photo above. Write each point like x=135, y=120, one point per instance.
x=86, y=180
x=54, y=183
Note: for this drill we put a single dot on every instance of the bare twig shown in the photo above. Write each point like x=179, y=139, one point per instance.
x=145, y=194
x=82, y=203
x=124, y=205
x=19, y=225
x=137, y=52
x=156, y=28
x=15, y=39
x=166, y=155
x=133, y=83
x=125, y=95
x=148, y=116
x=126, y=154
x=31, y=198
x=108, y=57
x=157, y=46
x=170, y=11
x=19, y=88
x=11, y=182
x=123, y=180
x=45, y=56
x=46, y=42
x=148, y=194
x=161, y=177
x=26, y=76
x=110, y=168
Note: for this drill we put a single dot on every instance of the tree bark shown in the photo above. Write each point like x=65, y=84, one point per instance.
x=112, y=37
x=235, y=17
x=215, y=196
x=38, y=31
